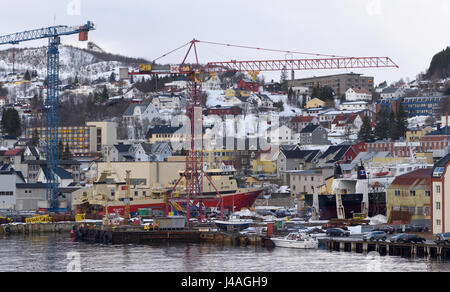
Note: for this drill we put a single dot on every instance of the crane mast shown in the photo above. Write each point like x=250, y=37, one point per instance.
x=52, y=84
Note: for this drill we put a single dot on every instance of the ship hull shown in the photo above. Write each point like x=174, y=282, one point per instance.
x=232, y=202
x=351, y=203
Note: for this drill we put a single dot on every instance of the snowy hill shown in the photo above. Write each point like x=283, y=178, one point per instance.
x=89, y=64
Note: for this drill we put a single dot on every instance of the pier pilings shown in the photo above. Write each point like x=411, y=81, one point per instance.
x=386, y=248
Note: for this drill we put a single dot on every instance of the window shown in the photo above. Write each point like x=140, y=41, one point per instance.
x=438, y=205
x=438, y=189
x=419, y=211
x=412, y=210
x=412, y=193
x=427, y=193
x=397, y=193
x=438, y=222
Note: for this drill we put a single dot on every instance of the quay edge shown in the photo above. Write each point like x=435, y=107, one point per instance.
x=385, y=248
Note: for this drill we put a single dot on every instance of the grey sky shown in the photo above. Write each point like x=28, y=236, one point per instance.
x=408, y=31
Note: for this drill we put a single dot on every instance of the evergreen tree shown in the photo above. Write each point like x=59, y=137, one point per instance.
x=401, y=122
x=76, y=79
x=392, y=127
x=3, y=91
x=366, y=133
x=290, y=96
x=104, y=95
x=381, y=124
x=283, y=79
x=35, y=138
x=447, y=91
x=67, y=154
x=112, y=77
x=11, y=122
x=27, y=76
x=60, y=149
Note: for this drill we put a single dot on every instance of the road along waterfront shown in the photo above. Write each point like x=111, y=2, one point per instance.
x=57, y=252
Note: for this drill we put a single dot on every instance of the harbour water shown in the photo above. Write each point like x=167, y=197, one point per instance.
x=58, y=252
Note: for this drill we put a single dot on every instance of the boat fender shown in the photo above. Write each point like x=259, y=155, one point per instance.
x=237, y=240
x=97, y=236
x=7, y=229
x=107, y=237
x=203, y=236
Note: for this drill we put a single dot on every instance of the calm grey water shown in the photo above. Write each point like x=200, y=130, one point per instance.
x=50, y=253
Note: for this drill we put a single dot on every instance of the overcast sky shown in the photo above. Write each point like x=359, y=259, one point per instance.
x=410, y=32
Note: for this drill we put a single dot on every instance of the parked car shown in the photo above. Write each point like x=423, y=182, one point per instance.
x=419, y=228
x=404, y=228
x=385, y=228
x=443, y=238
x=315, y=230
x=337, y=232
x=407, y=238
x=375, y=235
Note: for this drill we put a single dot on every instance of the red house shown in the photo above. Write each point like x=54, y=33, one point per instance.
x=248, y=85
x=224, y=111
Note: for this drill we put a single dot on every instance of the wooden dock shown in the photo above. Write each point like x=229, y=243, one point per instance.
x=387, y=248
x=138, y=235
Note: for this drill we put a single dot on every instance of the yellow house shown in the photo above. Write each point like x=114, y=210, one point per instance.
x=408, y=198
x=21, y=82
x=266, y=163
x=264, y=166
x=237, y=92
x=414, y=135
x=315, y=102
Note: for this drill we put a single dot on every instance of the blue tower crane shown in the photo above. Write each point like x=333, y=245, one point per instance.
x=53, y=34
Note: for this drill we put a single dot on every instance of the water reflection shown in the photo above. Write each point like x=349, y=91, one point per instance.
x=49, y=253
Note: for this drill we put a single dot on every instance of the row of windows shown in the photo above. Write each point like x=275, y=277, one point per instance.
x=398, y=193
x=6, y=193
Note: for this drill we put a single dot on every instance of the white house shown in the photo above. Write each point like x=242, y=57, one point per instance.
x=355, y=94
x=354, y=106
x=167, y=102
x=63, y=177
x=392, y=92
x=176, y=84
x=347, y=122
x=279, y=135
x=140, y=112
x=8, y=180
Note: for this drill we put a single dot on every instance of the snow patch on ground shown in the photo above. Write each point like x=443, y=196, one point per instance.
x=417, y=122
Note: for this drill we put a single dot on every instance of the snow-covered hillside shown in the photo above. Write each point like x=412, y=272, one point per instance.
x=88, y=64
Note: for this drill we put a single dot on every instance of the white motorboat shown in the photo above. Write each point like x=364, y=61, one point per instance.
x=296, y=240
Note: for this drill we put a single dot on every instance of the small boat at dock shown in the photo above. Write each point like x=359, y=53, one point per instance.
x=296, y=240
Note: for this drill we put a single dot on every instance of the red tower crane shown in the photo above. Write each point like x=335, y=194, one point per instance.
x=194, y=172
